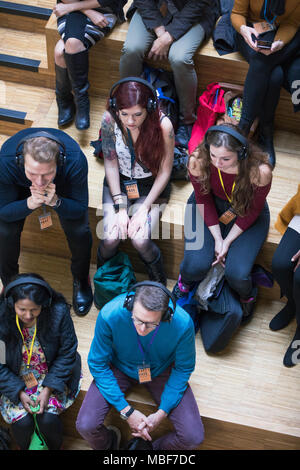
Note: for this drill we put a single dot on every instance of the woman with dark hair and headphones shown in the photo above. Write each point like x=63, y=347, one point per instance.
x=42, y=367
x=227, y=216
x=268, y=38
x=138, y=149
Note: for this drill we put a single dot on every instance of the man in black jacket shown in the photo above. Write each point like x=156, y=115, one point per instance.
x=45, y=169
x=172, y=29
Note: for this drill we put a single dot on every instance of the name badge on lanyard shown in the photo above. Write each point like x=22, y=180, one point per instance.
x=29, y=378
x=45, y=219
x=144, y=370
x=228, y=215
x=132, y=189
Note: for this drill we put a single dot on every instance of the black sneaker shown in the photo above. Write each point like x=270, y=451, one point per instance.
x=179, y=293
x=116, y=437
x=248, y=309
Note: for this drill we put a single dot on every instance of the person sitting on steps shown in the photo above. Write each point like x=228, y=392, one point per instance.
x=277, y=22
x=172, y=30
x=227, y=212
x=81, y=24
x=286, y=271
x=138, y=150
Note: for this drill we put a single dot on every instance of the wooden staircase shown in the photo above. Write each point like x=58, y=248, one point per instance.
x=247, y=398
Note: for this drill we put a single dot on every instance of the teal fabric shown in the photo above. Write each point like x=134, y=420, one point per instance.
x=115, y=342
x=115, y=277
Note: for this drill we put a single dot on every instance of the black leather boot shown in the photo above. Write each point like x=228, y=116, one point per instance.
x=78, y=67
x=64, y=97
x=82, y=296
x=155, y=270
x=265, y=140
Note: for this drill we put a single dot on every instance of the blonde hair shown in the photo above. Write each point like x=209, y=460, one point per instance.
x=41, y=149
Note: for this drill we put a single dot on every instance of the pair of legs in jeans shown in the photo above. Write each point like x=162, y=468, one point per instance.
x=188, y=429
x=289, y=282
x=181, y=52
x=241, y=254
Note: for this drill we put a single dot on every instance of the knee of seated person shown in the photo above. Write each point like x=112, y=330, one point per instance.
x=280, y=264
x=179, y=59
x=85, y=426
x=139, y=244
x=73, y=45
x=191, y=438
x=277, y=76
x=134, y=51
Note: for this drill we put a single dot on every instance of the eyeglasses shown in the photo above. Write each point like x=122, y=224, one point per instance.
x=149, y=325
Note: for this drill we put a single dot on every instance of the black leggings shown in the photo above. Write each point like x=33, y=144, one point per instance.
x=264, y=79
x=283, y=270
x=49, y=424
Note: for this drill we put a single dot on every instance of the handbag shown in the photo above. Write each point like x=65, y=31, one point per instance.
x=113, y=278
x=37, y=441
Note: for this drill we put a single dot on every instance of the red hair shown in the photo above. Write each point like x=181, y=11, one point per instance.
x=150, y=146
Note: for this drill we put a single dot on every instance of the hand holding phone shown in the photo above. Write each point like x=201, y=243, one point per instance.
x=261, y=44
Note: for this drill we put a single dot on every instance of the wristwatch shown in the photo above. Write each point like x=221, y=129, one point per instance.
x=58, y=203
x=126, y=415
x=117, y=207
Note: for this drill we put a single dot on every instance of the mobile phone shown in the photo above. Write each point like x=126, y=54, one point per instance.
x=264, y=44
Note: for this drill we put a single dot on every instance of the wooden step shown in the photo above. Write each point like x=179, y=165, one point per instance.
x=246, y=397
x=23, y=58
x=22, y=105
x=210, y=67
x=24, y=17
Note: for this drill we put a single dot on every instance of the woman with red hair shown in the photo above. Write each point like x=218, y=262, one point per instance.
x=138, y=149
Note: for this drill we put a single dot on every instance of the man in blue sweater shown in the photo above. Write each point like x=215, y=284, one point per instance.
x=41, y=169
x=141, y=338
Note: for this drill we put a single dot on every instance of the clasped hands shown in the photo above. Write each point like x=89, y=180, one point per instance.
x=42, y=399
x=142, y=425
x=221, y=250
x=134, y=227
x=41, y=196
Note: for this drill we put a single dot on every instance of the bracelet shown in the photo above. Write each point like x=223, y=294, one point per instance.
x=114, y=195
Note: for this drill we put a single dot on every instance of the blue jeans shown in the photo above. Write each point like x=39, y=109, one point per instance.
x=241, y=254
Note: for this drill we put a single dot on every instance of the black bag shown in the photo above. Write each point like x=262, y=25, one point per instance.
x=223, y=317
x=137, y=443
x=163, y=82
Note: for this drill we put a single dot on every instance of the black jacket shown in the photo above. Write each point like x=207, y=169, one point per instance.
x=190, y=12
x=60, y=349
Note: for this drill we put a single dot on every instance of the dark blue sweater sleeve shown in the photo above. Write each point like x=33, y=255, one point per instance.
x=72, y=189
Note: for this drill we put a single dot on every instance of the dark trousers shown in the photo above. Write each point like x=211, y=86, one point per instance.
x=283, y=269
x=49, y=425
x=79, y=239
x=264, y=78
x=188, y=428
x=241, y=254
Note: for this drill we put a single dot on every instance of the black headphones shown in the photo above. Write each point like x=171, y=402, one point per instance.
x=129, y=300
x=152, y=102
x=28, y=280
x=61, y=159
x=243, y=152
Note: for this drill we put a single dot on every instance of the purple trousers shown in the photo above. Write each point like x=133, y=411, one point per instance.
x=188, y=428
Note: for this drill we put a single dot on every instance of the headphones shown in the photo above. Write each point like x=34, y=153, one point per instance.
x=129, y=300
x=28, y=280
x=243, y=152
x=61, y=159
x=152, y=102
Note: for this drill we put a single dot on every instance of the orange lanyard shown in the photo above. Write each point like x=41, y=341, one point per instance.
x=29, y=353
x=233, y=186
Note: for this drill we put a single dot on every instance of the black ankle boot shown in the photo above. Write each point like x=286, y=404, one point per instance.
x=82, y=296
x=64, y=97
x=78, y=67
x=265, y=140
x=155, y=270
